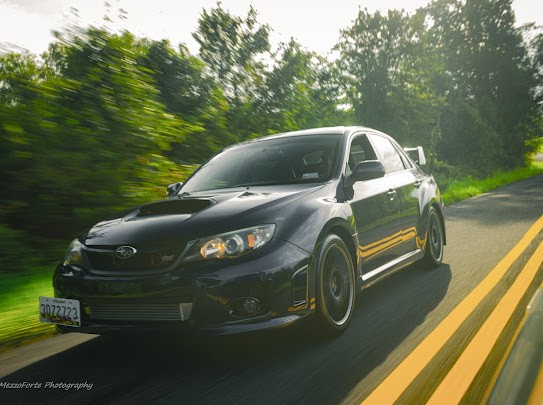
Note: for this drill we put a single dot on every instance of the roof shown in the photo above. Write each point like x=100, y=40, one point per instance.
x=339, y=130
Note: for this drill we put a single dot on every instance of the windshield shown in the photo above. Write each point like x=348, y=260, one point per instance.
x=299, y=159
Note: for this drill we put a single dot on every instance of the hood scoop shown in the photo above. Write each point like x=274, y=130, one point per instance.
x=174, y=207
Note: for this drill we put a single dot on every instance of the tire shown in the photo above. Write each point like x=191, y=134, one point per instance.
x=433, y=255
x=335, y=286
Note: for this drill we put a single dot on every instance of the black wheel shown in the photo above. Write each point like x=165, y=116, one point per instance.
x=434, y=240
x=335, y=293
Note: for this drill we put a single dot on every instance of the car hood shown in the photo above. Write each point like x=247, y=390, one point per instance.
x=183, y=218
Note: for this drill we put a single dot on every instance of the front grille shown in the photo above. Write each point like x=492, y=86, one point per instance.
x=140, y=312
x=104, y=259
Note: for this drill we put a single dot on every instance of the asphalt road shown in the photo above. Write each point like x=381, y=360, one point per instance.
x=295, y=365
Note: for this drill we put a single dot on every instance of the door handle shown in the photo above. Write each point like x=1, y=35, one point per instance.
x=418, y=183
x=391, y=194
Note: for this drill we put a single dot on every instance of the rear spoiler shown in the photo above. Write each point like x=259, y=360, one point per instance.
x=421, y=161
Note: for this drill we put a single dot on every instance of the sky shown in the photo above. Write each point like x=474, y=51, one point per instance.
x=313, y=23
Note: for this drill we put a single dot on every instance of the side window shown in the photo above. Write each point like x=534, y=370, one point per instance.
x=361, y=150
x=388, y=155
x=407, y=163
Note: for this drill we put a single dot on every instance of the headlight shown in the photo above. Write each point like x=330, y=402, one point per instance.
x=73, y=253
x=231, y=244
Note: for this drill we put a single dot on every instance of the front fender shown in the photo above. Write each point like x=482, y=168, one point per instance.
x=304, y=225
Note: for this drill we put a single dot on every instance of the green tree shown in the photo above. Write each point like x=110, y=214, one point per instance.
x=86, y=139
x=491, y=76
x=233, y=48
x=183, y=87
x=20, y=74
x=387, y=74
x=297, y=93
x=189, y=92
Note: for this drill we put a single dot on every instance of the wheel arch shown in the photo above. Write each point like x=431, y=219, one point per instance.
x=341, y=228
x=441, y=219
x=345, y=235
x=326, y=298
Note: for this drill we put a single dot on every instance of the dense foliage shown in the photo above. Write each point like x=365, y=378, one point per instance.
x=104, y=120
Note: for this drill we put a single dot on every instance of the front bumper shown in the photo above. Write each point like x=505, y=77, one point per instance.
x=206, y=296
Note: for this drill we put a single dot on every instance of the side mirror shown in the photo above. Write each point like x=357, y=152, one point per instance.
x=421, y=158
x=174, y=188
x=367, y=170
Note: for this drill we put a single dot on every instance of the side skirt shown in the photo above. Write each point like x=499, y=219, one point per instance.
x=391, y=267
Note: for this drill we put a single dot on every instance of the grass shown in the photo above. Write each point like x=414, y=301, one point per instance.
x=459, y=190
x=19, y=303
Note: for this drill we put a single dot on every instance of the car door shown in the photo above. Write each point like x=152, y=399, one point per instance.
x=406, y=184
x=376, y=210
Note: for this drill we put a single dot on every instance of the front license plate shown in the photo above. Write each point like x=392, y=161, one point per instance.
x=60, y=311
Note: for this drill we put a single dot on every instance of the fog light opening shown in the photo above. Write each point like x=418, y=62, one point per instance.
x=251, y=306
x=69, y=271
x=244, y=307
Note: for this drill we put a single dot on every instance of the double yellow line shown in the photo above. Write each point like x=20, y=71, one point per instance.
x=463, y=372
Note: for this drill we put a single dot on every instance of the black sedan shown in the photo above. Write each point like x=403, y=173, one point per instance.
x=263, y=234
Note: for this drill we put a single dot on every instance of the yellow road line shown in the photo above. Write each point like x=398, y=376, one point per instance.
x=536, y=397
x=461, y=375
x=395, y=384
x=499, y=367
